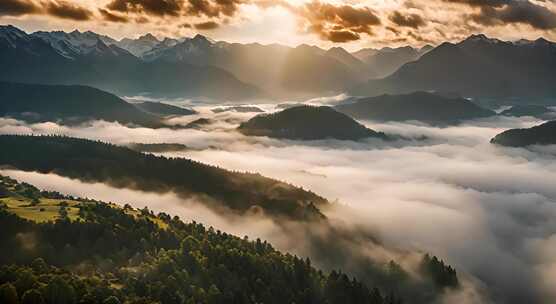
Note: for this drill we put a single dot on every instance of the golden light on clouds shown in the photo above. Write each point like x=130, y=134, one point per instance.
x=325, y=23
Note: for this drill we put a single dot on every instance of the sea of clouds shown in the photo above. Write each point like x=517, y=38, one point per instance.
x=487, y=210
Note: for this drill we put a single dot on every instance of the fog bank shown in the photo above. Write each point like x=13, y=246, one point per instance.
x=487, y=210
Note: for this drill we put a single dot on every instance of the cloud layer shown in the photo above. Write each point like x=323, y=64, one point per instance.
x=487, y=210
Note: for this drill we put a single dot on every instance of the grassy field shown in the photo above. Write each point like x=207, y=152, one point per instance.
x=27, y=202
x=46, y=210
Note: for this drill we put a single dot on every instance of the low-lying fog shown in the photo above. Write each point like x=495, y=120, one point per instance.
x=487, y=210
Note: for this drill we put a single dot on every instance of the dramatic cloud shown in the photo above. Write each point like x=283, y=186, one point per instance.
x=209, y=25
x=337, y=23
x=482, y=3
x=67, y=10
x=58, y=9
x=214, y=8
x=501, y=12
x=17, y=7
x=176, y=8
x=108, y=16
x=149, y=7
x=408, y=20
x=518, y=12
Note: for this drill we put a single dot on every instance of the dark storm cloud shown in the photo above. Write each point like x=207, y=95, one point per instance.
x=481, y=3
x=501, y=12
x=209, y=25
x=214, y=8
x=523, y=12
x=342, y=36
x=148, y=7
x=17, y=8
x=67, y=10
x=340, y=23
x=176, y=8
x=408, y=20
x=59, y=9
x=108, y=16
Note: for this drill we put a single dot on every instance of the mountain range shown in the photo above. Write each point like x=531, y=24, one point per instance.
x=477, y=67
x=91, y=59
x=194, y=67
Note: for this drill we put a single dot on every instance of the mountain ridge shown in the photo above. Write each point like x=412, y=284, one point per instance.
x=28, y=58
x=478, y=67
x=418, y=106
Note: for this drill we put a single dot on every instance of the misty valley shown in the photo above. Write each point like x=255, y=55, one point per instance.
x=191, y=170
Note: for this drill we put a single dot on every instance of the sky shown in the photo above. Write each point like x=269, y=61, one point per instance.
x=352, y=24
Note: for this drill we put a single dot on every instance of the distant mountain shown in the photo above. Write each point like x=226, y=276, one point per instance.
x=162, y=109
x=222, y=190
x=308, y=69
x=85, y=58
x=77, y=44
x=291, y=72
x=307, y=123
x=419, y=106
x=140, y=45
x=477, y=67
x=544, y=134
x=68, y=104
x=349, y=60
x=383, y=62
x=538, y=111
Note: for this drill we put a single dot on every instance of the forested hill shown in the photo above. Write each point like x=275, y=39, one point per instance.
x=92, y=161
x=58, y=249
x=70, y=104
x=308, y=123
x=544, y=134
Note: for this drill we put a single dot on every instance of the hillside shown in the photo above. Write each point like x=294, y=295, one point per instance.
x=530, y=110
x=157, y=147
x=87, y=251
x=162, y=109
x=220, y=189
x=419, y=106
x=308, y=123
x=478, y=67
x=68, y=104
x=544, y=134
